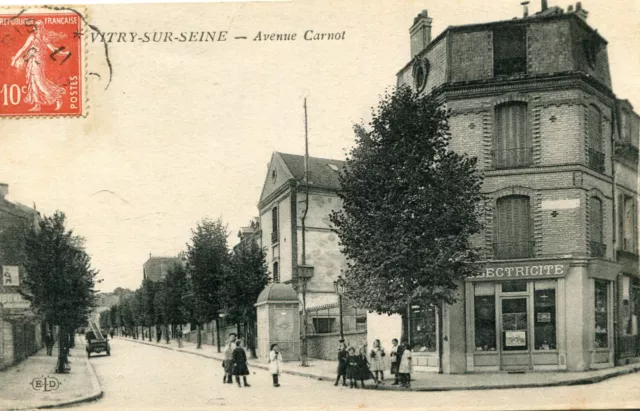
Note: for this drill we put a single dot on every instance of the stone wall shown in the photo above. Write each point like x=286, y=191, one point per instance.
x=325, y=346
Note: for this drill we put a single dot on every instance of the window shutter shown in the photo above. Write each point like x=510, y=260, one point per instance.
x=595, y=128
x=595, y=217
x=621, y=221
x=513, y=227
x=511, y=145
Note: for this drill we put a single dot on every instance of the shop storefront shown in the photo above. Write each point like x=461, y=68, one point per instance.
x=517, y=317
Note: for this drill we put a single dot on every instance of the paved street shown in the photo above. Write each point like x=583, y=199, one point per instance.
x=138, y=376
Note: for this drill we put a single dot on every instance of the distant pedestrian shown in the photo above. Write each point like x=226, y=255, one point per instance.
x=353, y=370
x=394, y=360
x=275, y=362
x=48, y=342
x=404, y=369
x=227, y=363
x=179, y=337
x=342, y=364
x=111, y=333
x=240, y=367
x=377, y=361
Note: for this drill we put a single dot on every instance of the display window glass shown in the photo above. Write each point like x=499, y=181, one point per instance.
x=514, y=324
x=544, y=303
x=485, y=317
x=423, y=330
x=601, y=314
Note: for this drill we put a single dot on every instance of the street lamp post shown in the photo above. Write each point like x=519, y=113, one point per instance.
x=339, y=286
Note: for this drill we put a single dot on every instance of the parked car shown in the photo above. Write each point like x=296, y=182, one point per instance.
x=96, y=345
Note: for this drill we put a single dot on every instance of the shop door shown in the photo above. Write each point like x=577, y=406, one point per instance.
x=515, y=335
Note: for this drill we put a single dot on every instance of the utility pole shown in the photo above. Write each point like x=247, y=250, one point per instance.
x=303, y=354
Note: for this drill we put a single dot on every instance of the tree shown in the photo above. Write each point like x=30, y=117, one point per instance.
x=113, y=316
x=176, y=287
x=248, y=277
x=59, y=280
x=410, y=206
x=208, y=260
x=148, y=314
x=160, y=308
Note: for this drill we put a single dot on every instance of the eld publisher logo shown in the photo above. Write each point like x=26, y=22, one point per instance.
x=45, y=384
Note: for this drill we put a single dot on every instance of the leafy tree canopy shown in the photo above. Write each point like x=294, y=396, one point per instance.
x=409, y=207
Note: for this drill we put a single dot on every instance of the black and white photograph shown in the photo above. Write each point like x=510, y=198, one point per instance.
x=320, y=205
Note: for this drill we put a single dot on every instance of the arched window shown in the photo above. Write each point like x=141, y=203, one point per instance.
x=595, y=150
x=513, y=228
x=275, y=225
x=512, y=145
x=596, y=240
x=276, y=272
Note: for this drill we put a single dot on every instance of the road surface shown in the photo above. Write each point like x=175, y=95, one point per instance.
x=138, y=376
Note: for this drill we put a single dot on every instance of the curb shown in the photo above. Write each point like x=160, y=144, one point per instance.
x=577, y=381
x=96, y=394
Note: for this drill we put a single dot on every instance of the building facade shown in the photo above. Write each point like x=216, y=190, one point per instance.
x=531, y=98
x=288, y=226
x=21, y=331
x=157, y=267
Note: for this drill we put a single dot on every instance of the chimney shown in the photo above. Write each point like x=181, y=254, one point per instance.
x=4, y=190
x=570, y=8
x=420, y=33
x=582, y=13
x=525, y=12
x=544, y=5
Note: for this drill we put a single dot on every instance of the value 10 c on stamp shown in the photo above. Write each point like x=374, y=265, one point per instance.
x=41, y=63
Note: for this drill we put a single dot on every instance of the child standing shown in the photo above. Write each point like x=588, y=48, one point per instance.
x=353, y=369
x=377, y=361
x=394, y=360
x=363, y=366
x=275, y=361
x=342, y=364
x=239, y=358
x=404, y=369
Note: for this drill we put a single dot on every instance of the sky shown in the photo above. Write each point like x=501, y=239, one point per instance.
x=185, y=131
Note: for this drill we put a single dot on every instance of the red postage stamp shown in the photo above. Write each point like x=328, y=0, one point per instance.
x=41, y=63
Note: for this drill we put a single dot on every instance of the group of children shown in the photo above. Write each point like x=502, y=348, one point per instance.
x=360, y=367
x=351, y=366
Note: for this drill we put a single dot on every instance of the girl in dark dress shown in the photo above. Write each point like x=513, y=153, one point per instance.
x=342, y=364
x=364, y=371
x=239, y=358
x=353, y=369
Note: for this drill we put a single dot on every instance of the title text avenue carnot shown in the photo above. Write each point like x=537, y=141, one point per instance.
x=210, y=36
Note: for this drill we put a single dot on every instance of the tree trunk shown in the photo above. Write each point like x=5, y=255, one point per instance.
x=218, y=334
x=251, y=340
x=198, y=336
x=72, y=338
x=150, y=338
x=440, y=340
x=166, y=333
x=62, y=350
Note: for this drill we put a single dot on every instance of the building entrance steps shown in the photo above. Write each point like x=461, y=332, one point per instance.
x=420, y=381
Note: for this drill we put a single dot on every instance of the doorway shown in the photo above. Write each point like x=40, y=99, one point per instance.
x=515, y=333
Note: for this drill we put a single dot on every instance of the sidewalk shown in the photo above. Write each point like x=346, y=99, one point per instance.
x=422, y=381
x=18, y=391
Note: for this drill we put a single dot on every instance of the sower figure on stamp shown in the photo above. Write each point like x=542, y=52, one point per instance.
x=33, y=56
x=228, y=359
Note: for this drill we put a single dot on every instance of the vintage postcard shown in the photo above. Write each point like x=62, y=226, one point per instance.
x=320, y=205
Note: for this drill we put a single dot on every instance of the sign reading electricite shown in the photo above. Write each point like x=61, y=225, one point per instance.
x=522, y=271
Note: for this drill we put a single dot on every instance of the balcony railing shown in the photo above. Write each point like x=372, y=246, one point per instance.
x=508, y=250
x=274, y=237
x=597, y=249
x=512, y=157
x=595, y=160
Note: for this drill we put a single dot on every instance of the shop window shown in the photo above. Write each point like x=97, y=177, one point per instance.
x=514, y=324
x=629, y=310
x=544, y=311
x=596, y=241
x=324, y=325
x=514, y=286
x=422, y=328
x=513, y=228
x=601, y=314
x=485, y=317
x=361, y=321
x=509, y=51
x=595, y=150
x=512, y=147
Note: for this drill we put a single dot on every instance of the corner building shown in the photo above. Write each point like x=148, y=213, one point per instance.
x=531, y=98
